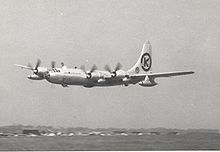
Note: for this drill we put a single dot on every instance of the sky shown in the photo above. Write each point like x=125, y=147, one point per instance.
x=185, y=35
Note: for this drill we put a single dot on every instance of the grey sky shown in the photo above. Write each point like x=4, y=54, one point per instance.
x=185, y=35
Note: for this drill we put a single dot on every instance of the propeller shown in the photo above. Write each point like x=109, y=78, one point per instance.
x=30, y=66
x=35, y=70
x=82, y=67
x=62, y=64
x=38, y=63
x=53, y=63
x=88, y=74
x=39, y=72
x=94, y=67
x=107, y=68
x=117, y=67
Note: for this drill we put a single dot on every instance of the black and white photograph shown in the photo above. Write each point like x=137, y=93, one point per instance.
x=109, y=75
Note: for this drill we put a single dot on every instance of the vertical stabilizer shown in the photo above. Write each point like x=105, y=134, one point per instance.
x=144, y=63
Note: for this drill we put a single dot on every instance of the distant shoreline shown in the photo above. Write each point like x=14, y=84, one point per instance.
x=19, y=128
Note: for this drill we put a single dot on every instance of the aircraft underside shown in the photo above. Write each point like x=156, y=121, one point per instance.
x=92, y=83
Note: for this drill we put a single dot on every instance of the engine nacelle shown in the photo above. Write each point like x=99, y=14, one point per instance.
x=41, y=71
x=35, y=77
x=93, y=75
x=119, y=74
x=147, y=82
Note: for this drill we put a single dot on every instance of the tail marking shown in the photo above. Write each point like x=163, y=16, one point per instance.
x=146, y=62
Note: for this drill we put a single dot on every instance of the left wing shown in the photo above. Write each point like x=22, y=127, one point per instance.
x=24, y=67
x=163, y=74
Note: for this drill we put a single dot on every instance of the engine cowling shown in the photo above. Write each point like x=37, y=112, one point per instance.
x=41, y=71
x=94, y=75
x=119, y=74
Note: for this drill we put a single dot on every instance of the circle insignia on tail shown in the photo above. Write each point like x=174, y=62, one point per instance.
x=146, y=62
x=137, y=70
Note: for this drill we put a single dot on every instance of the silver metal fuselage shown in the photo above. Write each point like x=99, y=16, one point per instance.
x=79, y=77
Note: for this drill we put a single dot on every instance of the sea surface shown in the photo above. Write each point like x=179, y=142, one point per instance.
x=189, y=141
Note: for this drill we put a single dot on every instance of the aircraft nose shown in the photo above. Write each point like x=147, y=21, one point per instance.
x=29, y=77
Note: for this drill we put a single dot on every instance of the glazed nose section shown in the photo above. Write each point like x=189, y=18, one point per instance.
x=35, y=77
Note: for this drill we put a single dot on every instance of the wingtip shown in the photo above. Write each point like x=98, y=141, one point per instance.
x=16, y=64
x=147, y=42
x=189, y=71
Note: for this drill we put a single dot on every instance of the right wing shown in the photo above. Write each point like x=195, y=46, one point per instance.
x=169, y=74
x=162, y=74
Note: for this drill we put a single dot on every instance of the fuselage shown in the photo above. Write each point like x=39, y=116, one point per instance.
x=79, y=77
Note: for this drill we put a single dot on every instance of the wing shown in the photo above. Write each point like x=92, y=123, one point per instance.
x=163, y=74
x=24, y=67
x=169, y=74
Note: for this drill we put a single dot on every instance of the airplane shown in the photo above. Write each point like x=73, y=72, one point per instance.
x=141, y=73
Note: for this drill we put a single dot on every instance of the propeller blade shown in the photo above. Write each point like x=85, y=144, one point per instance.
x=53, y=63
x=118, y=66
x=107, y=68
x=82, y=67
x=94, y=67
x=29, y=65
x=38, y=63
x=62, y=64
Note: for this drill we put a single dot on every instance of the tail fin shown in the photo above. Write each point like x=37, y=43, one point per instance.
x=144, y=62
